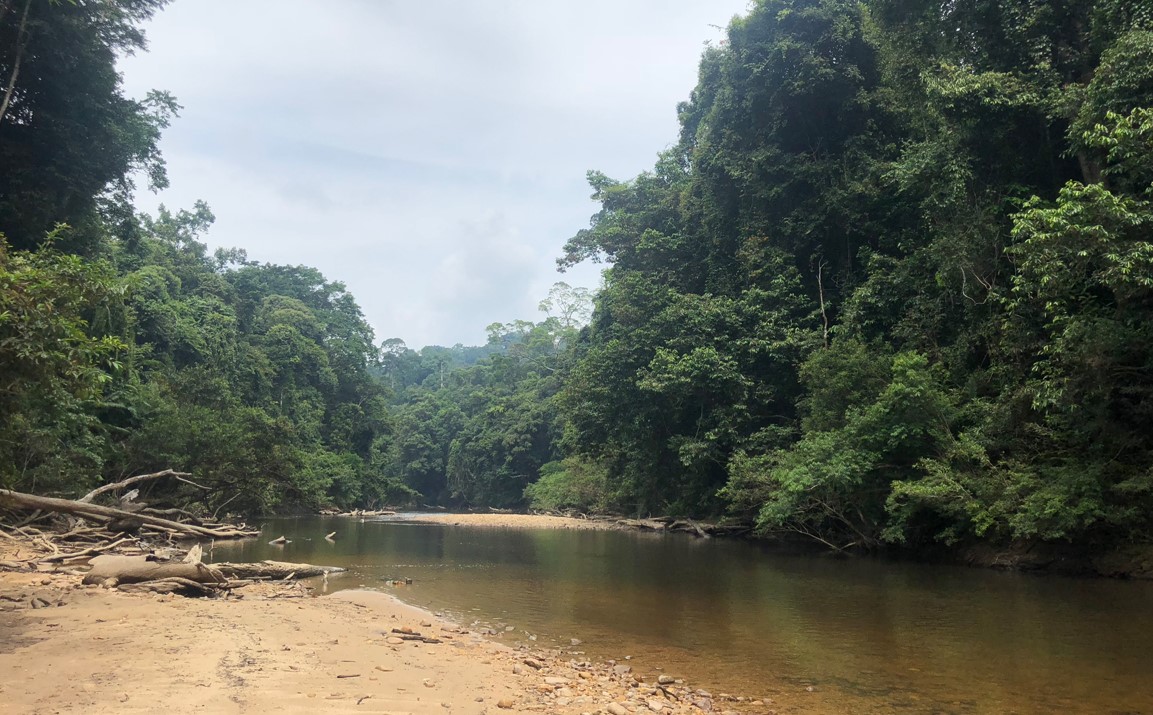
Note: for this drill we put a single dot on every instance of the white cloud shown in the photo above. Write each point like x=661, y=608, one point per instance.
x=430, y=155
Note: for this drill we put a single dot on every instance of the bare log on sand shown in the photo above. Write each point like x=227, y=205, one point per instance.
x=114, y=570
x=171, y=576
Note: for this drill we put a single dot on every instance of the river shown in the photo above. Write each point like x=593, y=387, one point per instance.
x=815, y=634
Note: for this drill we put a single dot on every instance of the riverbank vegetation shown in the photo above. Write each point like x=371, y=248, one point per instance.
x=892, y=284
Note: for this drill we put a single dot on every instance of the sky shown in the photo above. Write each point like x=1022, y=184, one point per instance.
x=431, y=155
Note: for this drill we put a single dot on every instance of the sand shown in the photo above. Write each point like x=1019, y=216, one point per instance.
x=276, y=650
x=516, y=521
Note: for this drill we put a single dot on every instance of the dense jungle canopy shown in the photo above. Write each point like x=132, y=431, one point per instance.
x=892, y=284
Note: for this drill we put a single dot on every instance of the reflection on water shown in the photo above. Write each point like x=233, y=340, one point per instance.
x=868, y=636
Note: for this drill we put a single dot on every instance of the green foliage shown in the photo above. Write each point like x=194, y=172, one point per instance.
x=478, y=431
x=70, y=140
x=55, y=367
x=893, y=282
x=568, y=485
x=832, y=484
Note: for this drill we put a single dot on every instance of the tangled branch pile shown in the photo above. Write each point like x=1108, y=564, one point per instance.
x=131, y=546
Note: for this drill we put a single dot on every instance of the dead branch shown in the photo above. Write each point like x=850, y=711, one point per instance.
x=91, y=551
x=21, y=45
x=192, y=518
x=117, y=486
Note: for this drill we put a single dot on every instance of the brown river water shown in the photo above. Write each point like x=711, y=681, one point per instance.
x=815, y=634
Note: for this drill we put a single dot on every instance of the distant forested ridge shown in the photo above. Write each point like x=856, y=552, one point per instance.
x=892, y=284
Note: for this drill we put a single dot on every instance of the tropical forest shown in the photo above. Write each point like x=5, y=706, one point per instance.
x=891, y=287
x=393, y=358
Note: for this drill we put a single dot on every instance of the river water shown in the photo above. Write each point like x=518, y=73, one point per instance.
x=815, y=634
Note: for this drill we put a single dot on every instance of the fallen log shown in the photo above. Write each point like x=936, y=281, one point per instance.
x=274, y=570
x=136, y=569
x=81, y=509
x=647, y=524
x=691, y=527
x=173, y=584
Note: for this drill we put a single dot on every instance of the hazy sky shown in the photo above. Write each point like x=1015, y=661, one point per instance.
x=429, y=154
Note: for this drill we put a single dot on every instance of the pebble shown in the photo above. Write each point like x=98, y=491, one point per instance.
x=504, y=703
x=666, y=680
x=617, y=709
x=393, y=640
x=656, y=705
x=556, y=681
x=622, y=669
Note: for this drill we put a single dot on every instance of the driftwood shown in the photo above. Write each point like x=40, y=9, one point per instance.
x=701, y=529
x=117, y=486
x=137, y=569
x=123, y=570
x=173, y=584
x=648, y=524
x=691, y=527
x=85, y=510
x=91, y=551
x=274, y=570
x=188, y=518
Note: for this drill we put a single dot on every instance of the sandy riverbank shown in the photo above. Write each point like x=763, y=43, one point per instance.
x=276, y=651
x=514, y=521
